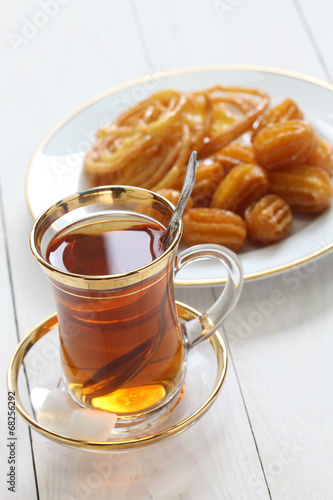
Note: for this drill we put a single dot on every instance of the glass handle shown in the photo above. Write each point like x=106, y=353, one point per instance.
x=201, y=328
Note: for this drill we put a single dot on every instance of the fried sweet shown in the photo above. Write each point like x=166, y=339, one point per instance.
x=155, y=165
x=198, y=113
x=235, y=111
x=285, y=111
x=213, y=225
x=284, y=143
x=240, y=151
x=268, y=220
x=208, y=178
x=307, y=189
x=173, y=195
x=322, y=156
x=149, y=144
x=234, y=154
x=140, y=127
x=243, y=185
x=154, y=114
x=172, y=170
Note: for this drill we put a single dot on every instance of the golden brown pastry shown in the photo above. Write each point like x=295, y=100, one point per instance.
x=268, y=220
x=322, y=156
x=286, y=110
x=208, y=178
x=307, y=189
x=234, y=154
x=235, y=111
x=213, y=225
x=243, y=185
x=285, y=143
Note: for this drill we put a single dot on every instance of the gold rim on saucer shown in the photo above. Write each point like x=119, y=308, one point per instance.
x=185, y=313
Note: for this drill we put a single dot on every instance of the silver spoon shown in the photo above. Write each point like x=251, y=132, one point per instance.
x=186, y=191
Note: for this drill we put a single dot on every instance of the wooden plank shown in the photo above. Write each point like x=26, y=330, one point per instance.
x=78, y=53
x=280, y=337
x=227, y=32
x=317, y=19
x=24, y=477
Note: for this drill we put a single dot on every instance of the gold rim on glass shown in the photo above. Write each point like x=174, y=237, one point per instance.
x=186, y=313
x=193, y=69
x=100, y=196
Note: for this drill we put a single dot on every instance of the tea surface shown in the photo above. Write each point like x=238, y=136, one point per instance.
x=106, y=247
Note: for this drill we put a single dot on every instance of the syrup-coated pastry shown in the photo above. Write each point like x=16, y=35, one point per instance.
x=239, y=107
x=268, y=220
x=234, y=154
x=243, y=185
x=213, y=225
x=286, y=110
x=307, y=189
x=149, y=145
x=285, y=143
x=322, y=156
x=207, y=180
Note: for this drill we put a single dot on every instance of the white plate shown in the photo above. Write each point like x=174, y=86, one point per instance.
x=51, y=178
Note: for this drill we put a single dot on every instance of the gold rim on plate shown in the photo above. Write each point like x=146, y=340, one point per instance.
x=164, y=74
x=186, y=313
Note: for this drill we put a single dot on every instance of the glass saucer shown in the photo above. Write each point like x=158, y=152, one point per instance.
x=39, y=351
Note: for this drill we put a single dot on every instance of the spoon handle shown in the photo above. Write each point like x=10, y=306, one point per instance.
x=186, y=191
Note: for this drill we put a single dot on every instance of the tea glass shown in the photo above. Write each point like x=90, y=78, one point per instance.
x=122, y=346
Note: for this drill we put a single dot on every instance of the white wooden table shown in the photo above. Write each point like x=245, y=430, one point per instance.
x=269, y=434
